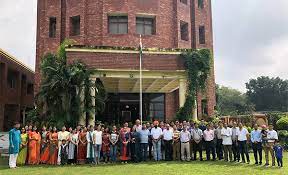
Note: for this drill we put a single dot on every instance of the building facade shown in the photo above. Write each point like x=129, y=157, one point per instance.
x=101, y=28
x=16, y=90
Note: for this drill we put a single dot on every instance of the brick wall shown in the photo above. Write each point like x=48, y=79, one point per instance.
x=94, y=30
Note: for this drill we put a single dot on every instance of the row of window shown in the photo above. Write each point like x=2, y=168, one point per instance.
x=12, y=82
x=200, y=3
x=119, y=25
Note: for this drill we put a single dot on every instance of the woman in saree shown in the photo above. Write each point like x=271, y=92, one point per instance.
x=44, y=145
x=53, y=147
x=106, y=145
x=125, y=139
x=34, y=147
x=72, y=149
x=21, y=159
x=82, y=146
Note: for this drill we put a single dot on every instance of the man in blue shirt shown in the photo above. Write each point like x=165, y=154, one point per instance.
x=144, y=138
x=14, y=144
x=256, y=140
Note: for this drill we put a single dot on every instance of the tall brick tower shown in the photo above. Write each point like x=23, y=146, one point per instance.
x=163, y=24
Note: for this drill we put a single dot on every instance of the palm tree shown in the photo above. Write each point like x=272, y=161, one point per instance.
x=62, y=86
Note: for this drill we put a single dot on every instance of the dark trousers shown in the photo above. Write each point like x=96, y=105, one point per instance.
x=210, y=149
x=257, y=150
x=243, y=149
x=197, y=147
x=235, y=150
x=150, y=145
x=168, y=149
x=219, y=149
x=134, y=151
x=143, y=151
x=279, y=161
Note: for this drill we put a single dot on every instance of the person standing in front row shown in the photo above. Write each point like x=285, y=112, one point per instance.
x=226, y=134
x=176, y=143
x=219, y=141
x=144, y=138
x=235, y=148
x=97, y=140
x=156, y=134
x=185, y=137
x=272, y=137
x=197, y=136
x=279, y=154
x=209, y=144
x=168, y=138
x=242, y=134
x=256, y=140
x=14, y=144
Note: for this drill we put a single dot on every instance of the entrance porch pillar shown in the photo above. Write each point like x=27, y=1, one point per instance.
x=182, y=92
x=92, y=114
x=195, y=111
x=82, y=118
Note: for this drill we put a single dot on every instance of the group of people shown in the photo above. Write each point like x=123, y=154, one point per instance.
x=142, y=142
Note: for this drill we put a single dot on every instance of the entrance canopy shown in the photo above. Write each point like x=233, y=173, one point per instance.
x=127, y=81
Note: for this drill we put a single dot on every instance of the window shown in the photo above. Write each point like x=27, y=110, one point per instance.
x=30, y=88
x=52, y=27
x=145, y=26
x=118, y=24
x=184, y=31
x=11, y=79
x=201, y=4
x=204, y=107
x=183, y=1
x=202, y=34
x=75, y=26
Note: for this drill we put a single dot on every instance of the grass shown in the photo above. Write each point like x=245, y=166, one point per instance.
x=165, y=168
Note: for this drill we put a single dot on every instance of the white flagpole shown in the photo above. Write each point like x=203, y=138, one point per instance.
x=140, y=62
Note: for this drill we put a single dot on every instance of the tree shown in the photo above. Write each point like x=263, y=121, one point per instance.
x=65, y=89
x=232, y=102
x=268, y=94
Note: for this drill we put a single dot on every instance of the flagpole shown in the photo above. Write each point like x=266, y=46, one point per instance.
x=140, y=83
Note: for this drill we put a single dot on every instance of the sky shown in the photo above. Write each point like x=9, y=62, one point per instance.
x=250, y=37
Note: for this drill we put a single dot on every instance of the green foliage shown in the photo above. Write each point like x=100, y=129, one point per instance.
x=62, y=84
x=232, y=102
x=273, y=117
x=268, y=94
x=282, y=123
x=198, y=65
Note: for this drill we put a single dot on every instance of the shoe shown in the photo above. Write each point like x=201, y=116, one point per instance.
x=256, y=163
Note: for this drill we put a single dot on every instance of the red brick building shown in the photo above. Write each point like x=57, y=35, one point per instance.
x=110, y=23
x=16, y=90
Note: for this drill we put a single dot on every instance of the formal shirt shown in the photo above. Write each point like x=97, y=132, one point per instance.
x=218, y=133
x=185, y=136
x=63, y=135
x=156, y=133
x=234, y=134
x=176, y=135
x=272, y=136
x=256, y=136
x=209, y=135
x=197, y=134
x=97, y=137
x=226, y=134
x=168, y=134
x=144, y=135
x=242, y=134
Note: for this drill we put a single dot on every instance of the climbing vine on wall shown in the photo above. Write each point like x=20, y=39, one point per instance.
x=197, y=65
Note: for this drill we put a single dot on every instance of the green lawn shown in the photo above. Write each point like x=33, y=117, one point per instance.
x=165, y=168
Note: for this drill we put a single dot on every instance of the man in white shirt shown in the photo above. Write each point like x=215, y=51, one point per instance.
x=168, y=138
x=156, y=134
x=62, y=135
x=242, y=134
x=138, y=125
x=209, y=144
x=226, y=134
x=272, y=137
x=185, y=137
x=197, y=136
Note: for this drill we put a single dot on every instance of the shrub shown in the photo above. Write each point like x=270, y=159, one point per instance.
x=282, y=123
